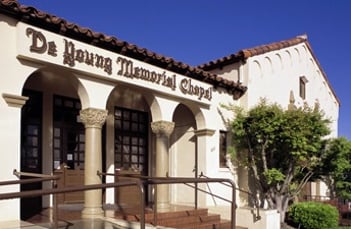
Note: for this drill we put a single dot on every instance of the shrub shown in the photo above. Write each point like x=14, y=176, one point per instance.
x=313, y=215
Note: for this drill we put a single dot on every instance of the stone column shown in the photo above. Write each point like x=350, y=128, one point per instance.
x=203, y=148
x=163, y=130
x=93, y=120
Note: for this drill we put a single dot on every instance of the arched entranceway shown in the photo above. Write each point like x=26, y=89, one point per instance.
x=128, y=142
x=52, y=137
x=183, y=153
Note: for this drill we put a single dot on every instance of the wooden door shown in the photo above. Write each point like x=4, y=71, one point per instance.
x=69, y=178
x=131, y=151
x=68, y=147
x=127, y=197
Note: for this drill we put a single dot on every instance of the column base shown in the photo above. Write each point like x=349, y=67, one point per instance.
x=92, y=212
x=161, y=207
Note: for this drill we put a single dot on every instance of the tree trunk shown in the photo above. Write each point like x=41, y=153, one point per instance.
x=282, y=202
x=331, y=186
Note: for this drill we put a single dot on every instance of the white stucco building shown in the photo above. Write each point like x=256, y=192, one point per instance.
x=74, y=102
x=286, y=73
x=280, y=72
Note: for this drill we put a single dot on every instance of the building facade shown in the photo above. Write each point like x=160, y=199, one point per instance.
x=75, y=102
x=287, y=73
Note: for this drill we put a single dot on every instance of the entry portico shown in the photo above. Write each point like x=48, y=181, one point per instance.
x=94, y=96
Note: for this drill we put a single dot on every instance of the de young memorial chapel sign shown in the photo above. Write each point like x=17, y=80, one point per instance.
x=39, y=45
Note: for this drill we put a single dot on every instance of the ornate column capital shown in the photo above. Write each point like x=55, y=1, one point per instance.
x=162, y=128
x=92, y=117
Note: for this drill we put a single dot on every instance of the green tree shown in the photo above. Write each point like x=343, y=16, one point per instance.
x=280, y=148
x=335, y=169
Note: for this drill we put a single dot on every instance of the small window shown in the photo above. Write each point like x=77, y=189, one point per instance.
x=303, y=82
x=223, y=149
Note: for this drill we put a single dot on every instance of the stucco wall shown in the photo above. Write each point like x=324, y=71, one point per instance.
x=10, y=114
x=274, y=75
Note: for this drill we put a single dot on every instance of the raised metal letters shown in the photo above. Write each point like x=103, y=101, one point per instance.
x=72, y=55
x=188, y=88
x=128, y=70
x=39, y=43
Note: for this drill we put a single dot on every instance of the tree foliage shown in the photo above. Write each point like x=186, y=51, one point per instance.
x=336, y=167
x=280, y=148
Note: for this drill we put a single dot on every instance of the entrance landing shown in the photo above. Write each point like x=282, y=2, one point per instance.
x=69, y=216
x=18, y=224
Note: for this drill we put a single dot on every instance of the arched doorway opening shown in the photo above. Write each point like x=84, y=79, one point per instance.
x=52, y=138
x=183, y=153
x=128, y=142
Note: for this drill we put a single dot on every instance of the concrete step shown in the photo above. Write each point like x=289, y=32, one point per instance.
x=185, y=219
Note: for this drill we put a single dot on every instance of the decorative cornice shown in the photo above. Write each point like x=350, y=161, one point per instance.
x=204, y=132
x=93, y=118
x=15, y=100
x=162, y=128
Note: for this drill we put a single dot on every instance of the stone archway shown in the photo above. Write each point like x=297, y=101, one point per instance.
x=38, y=152
x=183, y=153
x=128, y=140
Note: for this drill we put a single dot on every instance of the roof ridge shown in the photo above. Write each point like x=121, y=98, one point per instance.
x=261, y=49
x=244, y=54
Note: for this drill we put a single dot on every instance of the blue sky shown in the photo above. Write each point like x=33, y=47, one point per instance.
x=198, y=31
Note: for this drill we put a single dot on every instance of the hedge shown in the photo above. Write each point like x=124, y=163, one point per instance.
x=314, y=215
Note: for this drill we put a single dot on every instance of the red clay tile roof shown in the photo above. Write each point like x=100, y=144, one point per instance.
x=31, y=15
x=244, y=54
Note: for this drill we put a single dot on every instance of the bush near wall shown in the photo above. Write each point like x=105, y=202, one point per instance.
x=314, y=215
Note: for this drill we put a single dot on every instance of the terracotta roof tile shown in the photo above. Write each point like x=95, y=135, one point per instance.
x=244, y=54
x=273, y=46
x=58, y=25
